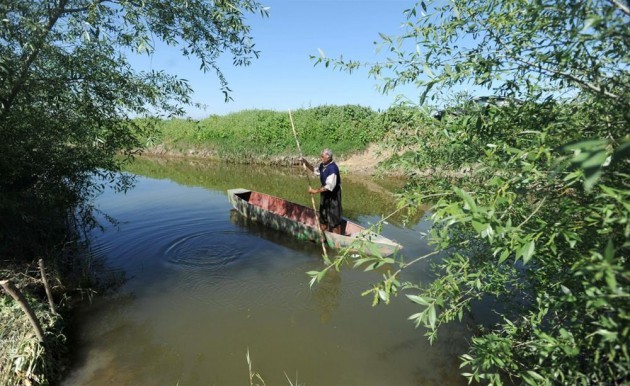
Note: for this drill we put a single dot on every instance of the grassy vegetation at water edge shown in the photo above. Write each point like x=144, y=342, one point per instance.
x=254, y=135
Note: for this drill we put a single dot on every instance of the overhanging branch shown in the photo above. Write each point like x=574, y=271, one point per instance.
x=30, y=56
x=623, y=7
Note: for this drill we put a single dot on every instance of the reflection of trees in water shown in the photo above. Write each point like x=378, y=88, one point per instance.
x=85, y=268
x=359, y=198
x=326, y=295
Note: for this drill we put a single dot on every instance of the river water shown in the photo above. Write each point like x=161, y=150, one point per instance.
x=198, y=288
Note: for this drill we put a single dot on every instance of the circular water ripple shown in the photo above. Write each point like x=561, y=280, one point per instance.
x=233, y=269
x=204, y=251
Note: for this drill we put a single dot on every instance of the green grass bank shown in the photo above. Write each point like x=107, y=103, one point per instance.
x=265, y=136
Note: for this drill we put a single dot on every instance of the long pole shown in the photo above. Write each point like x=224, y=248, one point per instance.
x=321, y=232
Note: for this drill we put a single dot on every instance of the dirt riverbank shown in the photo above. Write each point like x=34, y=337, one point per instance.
x=363, y=163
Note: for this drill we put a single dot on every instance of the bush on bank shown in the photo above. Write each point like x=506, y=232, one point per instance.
x=252, y=135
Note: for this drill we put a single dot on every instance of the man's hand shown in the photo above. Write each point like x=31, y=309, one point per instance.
x=307, y=166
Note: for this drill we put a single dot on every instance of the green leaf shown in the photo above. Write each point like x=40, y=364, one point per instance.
x=488, y=232
x=361, y=261
x=589, y=156
x=535, y=375
x=432, y=316
x=468, y=200
x=417, y=318
x=609, y=252
x=420, y=300
x=427, y=70
x=426, y=91
x=385, y=37
x=527, y=251
x=504, y=256
x=448, y=70
x=611, y=280
x=609, y=336
x=479, y=227
x=590, y=22
x=609, y=256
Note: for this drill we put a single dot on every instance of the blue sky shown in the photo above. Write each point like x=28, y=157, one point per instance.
x=284, y=77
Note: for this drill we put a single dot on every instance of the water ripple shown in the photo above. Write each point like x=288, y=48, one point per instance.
x=206, y=250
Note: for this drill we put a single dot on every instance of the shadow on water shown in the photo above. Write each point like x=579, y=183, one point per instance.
x=205, y=285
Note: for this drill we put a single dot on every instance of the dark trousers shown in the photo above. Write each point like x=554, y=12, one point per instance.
x=330, y=208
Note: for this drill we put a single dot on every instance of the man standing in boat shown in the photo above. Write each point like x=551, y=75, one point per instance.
x=330, y=191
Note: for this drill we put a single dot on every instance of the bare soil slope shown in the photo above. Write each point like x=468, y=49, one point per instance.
x=365, y=162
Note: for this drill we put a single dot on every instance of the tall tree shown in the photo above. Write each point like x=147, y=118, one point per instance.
x=68, y=92
x=530, y=200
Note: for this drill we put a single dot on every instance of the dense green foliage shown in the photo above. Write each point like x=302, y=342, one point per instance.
x=68, y=96
x=264, y=133
x=531, y=202
x=67, y=90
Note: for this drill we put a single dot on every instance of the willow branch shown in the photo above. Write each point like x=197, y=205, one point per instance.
x=518, y=59
x=533, y=213
x=23, y=303
x=51, y=301
x=29, y=57
x=622, y=7
x=88, y=7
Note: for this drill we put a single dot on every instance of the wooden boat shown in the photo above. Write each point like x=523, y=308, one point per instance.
x=301, y=222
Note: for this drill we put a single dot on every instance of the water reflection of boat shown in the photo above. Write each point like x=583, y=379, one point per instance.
x=301, y=222
x=262, y=231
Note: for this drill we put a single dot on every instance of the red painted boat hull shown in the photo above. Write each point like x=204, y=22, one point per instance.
x=301, y=222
